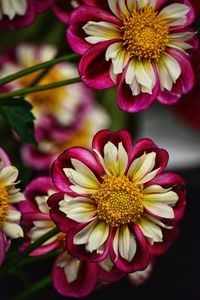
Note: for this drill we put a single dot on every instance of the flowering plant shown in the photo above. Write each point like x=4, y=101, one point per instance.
x=92, y=193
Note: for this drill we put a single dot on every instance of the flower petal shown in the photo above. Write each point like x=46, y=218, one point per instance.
x=8, y=175
x=174, y=14
x=127, y=243
x=150, y=230
x=159, y=209
x=169, y=71
x=79, y=209
x=97, y=237
x=82, y=236
x=100, y=32
x=12, y=230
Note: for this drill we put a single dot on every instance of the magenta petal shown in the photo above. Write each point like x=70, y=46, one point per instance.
x=41, y=6
x=168, y=236
x=79, y=251
x=62, y=10
x=59, y=218
x=130, y=103
x=183, y=84
x=34, y=158
x=147, y=145
x=105, y=136
x=103, y=4
x=168, y=98
x=2, y=247
x=42, y=250
x=81, y=287
x=93, y=60
x=191, y=16
x=109, y=276
x=4, y=160
x=140, y=260
x=177, y=183
x=80, y=17
x=63, y=161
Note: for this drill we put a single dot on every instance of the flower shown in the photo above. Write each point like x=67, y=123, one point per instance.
x=35, y=216
x=9, y=196
x=139, y=46
x=70, y=276
x=20, y=13
x=116, y=200
x=56, y=125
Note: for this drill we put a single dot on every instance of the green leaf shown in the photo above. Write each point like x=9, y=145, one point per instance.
x=17, y=112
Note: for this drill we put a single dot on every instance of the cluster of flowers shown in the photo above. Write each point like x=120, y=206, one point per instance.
x=114, y=204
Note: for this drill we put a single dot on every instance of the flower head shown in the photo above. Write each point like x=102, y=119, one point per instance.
x=20, y=13
x=9, y=196
x=35, y=216
x=115, y=200
x=64, y=116
x=139, y=45
x=70, y=276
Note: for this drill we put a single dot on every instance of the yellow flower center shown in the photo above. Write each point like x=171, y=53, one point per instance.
x=145, y=34
x=3, y=205
x=45, y=101
x=119, y=201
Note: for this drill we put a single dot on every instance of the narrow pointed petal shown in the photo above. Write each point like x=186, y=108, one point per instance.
x=127, y=243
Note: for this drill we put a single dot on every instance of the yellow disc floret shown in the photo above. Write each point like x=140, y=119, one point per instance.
x=3, y=205
x=145, y=34
x=119, y=201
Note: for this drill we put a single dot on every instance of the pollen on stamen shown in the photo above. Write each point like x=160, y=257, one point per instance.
x=119, y=201
x=3, y=205
x=145, y=35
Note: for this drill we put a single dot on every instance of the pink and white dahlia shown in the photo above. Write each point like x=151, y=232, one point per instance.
x=70, y=276
x=9, y=196
x=20, y=13
x=141, y=46
x=64, y=116
x=35, y=216
x=115, y=200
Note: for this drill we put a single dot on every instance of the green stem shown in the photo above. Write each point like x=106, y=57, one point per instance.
x=22, y=73
x=40, y=284
x=19, y=256
x=33, y=89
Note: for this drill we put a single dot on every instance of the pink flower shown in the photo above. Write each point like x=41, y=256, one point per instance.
x=70, y=276
x=71, y=117
x=19, y=13
x=9, y=196
x=116, y=200
x=35, y=216
x=138, y=45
